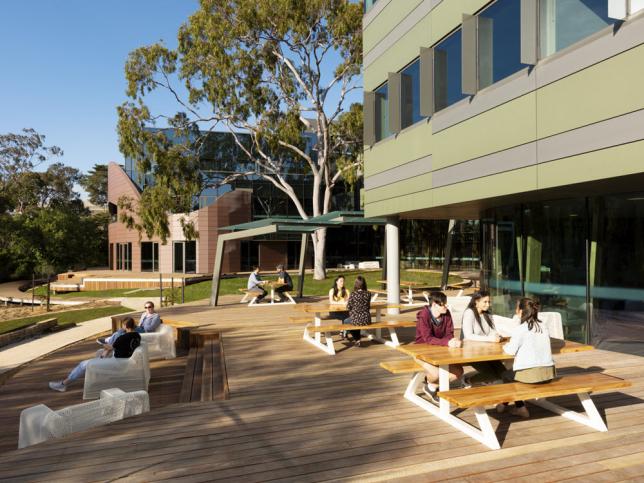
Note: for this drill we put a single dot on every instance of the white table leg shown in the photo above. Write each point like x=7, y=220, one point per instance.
x=411, y=296
x=317, y=322
x=443, y=385
x=378, y=319
x=272, y=295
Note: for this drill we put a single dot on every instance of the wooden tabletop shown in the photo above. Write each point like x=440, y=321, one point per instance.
x=474, y=351
x=327, y=307
x=272, y=284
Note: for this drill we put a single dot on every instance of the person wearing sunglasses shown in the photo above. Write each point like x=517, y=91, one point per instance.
x=149, y=322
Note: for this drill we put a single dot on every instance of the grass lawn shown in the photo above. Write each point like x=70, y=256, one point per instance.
x=64, y=318
x=201, y=290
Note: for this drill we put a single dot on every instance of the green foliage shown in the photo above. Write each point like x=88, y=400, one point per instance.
x=44, y=227
x=95, y=183
x=258, y=69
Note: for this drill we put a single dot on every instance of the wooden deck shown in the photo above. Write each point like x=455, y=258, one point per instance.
x=297, y=414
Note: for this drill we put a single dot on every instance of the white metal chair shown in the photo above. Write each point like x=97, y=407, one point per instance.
x=160, y=343
x=131, y=374
x=40, y=423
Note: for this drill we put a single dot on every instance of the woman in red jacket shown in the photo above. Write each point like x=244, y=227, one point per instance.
x=434, y=326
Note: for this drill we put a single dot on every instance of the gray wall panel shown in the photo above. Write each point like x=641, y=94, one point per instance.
x=468, y=54
x=369, y=123
x=394, y=83
x=400, y=173
x=529, y=31
x=426, y=81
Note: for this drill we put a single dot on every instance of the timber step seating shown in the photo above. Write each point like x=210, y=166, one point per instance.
x=518, y=391
x=205, y=376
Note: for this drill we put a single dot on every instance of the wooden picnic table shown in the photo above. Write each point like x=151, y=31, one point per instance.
x=410, y=290
x=317, y=309
x=272, y=285
x=470, y=352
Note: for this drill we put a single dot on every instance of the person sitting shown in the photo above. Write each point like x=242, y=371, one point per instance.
x=339, y=295
x=434, y=326
x=123, y=348
x=285, y=278
x=149, y=322
x=478, y=325
x=255, y=283
x=359, y=307
x=530, y=346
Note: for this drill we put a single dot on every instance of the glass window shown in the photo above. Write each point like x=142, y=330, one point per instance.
x=149, y=257
x=564, y=22
x=178, y=257
x=447, y=72
x=616, y=273
x=636, y=6
x=499, y=39
x=382, y=112
x=410, y=98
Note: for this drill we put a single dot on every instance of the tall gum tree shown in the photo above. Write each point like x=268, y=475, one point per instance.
x=259, y=70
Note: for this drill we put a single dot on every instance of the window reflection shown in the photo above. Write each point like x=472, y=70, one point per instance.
x=564, y=22
x=382, y=112
x=447, y=72
x=499, y=38
x=410, y=98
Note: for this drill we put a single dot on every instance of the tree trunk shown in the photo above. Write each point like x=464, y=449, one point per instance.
x=319, y=251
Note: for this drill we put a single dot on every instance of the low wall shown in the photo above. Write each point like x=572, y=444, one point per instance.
x=26, y=332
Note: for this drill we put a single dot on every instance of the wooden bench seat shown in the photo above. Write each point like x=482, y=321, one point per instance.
x=205, y=376
x=517, y=391
x=401, y=367
x=305, y=319
x=390, y=325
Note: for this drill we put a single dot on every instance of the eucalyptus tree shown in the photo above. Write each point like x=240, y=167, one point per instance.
x=264, y=71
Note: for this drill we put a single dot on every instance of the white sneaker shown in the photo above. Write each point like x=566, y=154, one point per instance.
x=101, y=341
x=57, y=386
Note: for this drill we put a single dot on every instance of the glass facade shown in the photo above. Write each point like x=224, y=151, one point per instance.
x=423, y=243
x=382, y=112
x=579, y=257
x=499, y=39
x=410, y=95
x=564, y=22
x=447, y=71
x=124, y=256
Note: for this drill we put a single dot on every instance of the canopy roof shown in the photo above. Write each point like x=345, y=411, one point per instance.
x=298, y=225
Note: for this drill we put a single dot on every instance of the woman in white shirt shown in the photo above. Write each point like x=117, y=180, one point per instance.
x=478, y=325
x=530, y=346
x=339, y=295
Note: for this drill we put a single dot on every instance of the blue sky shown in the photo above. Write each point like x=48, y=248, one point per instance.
x=62, y=68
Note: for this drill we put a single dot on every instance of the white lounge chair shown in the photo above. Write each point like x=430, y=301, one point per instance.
x=160, y=343
x=131, y=374
x=40, y=423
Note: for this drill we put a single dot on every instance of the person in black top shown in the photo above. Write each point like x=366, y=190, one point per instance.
x=123, y=348
x=359, y=306
x=284, y=277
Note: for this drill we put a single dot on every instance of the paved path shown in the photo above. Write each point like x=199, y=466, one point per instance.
x=21, y=353
x=10, y=292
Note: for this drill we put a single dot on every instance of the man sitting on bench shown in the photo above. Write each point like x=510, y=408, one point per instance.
x=255, y=284
x=283, y=277
x=434, y=326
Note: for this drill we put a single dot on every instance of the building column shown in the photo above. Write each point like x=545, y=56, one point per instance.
x=393, y=262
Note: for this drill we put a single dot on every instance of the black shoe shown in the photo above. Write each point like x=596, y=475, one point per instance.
x=433, y=394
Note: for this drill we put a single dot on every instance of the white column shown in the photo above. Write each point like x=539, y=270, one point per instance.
x=393, y=263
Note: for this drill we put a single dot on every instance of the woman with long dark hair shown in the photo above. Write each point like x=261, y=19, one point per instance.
x=478, y=325
x=359, y=306
x=530, y=346
x=339, y=295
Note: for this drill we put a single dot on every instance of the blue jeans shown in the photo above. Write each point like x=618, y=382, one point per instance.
x=354, y=333
x=78, y=371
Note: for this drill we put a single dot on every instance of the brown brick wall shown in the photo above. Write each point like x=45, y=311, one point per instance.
x=272, y=253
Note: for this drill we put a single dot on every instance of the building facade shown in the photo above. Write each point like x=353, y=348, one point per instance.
x=527, y=115
x=223, y=204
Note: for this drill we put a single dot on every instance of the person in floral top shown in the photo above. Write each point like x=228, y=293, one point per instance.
x=359, y=306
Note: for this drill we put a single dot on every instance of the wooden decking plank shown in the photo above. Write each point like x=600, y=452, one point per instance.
x=206, y=370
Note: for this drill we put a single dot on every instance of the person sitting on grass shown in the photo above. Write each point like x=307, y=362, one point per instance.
x=530, y=346
x=434, y=326
x=255, y=284
x=359, y=307
x=149, y=322
x=283, y=277
x=122, y=348
x=478, y=325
